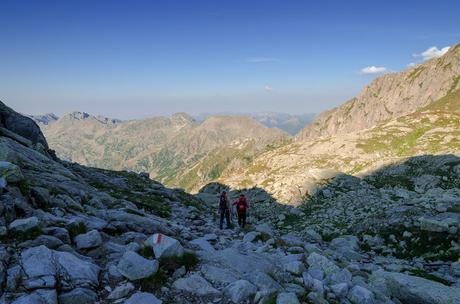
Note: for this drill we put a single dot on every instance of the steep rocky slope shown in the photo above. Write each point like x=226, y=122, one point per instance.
x=178, y=151
x=293, y=171
x=390, y=96
x=72, y=234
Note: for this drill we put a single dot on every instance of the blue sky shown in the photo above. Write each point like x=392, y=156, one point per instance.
x=135, y=58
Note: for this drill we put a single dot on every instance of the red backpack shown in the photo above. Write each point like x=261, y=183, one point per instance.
x=242, y=205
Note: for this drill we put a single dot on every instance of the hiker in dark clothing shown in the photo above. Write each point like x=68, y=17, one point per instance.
x=224, y=209
x=241, y=207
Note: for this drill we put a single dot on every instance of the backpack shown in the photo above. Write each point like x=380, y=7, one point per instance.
x=242, y=205
x=223, y=202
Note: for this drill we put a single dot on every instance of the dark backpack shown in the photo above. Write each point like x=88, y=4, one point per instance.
x=223, y=203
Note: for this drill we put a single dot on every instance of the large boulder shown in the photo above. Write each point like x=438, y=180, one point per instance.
x=263, y=281
x=10, y=172
x=76, y=272
x=88, y=240
x=164, y=246
x=39, y=269
x=218, y=275
x=239, y=262
x=240, y=291
x=21, y=125
x=135, y=267
x=412, y=289
x=23, y=225
x=361, y=295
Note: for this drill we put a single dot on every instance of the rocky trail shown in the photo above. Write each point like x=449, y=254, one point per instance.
x=73, y=234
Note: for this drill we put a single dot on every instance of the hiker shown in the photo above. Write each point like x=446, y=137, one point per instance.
x=224, y=209
x=241, y=207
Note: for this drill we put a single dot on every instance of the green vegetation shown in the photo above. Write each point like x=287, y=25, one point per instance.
x=21, y=236
x=262, y=236
x=146, y=251
x=415, y=73
x=167, y=267
x=426, y=275
x=429, y=245
x=152, y=202
x=77, y=228
x=454, y=85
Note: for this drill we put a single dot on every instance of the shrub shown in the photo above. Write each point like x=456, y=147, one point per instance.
x=77, y=228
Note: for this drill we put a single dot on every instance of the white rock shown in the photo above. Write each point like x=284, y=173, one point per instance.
x=135, y=267
x=121, y=291
x=22, y=225
x=250, y=236
x=196, y=285
x=240, y=291
x=202, y=244
x=164, y=246
x=88, y=240
x=412, y=289
x=360, y=295
x=218, y=275
x=294, y=267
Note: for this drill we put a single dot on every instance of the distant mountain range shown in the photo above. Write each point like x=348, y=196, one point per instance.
x=176, y=150
x=289, y=123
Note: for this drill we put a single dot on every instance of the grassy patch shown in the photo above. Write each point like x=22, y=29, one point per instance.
x=154, y=282
x=77, y=228
x=146, y=251
x=426, y=275
x=262, y=236
x=167, y=267
x=21, y=236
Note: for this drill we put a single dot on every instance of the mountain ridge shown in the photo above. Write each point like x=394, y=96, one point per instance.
x=390, y=96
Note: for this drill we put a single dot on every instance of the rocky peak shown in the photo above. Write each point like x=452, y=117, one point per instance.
x=83, y=116
x=182, y=118
x=390, y=96
x=44, y=119
x=23, y=126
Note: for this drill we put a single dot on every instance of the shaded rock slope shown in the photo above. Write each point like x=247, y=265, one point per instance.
x=73, y=234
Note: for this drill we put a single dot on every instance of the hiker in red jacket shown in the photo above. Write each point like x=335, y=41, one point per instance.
x=241, y=207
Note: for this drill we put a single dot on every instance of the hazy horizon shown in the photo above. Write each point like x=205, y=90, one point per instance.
x=137, y=59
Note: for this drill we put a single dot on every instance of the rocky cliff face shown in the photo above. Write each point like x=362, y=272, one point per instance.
x=71, y=234
x=390, y=96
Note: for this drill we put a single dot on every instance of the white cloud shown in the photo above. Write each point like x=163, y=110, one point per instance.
x=268, y=88
x=432, y=52
x=411, y=65
x=261, y=59
x=373, y=70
